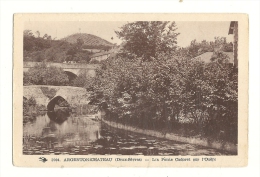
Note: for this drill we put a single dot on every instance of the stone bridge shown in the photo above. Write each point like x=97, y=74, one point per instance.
x=49, y=95
x=72, y=70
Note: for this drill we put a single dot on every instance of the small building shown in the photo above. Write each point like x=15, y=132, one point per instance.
x=100, y=56
x=105, y=54
x=206, y=57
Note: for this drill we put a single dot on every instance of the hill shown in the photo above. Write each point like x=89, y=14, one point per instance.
x=89, y=40
x=38, y=49
x=70, y=48
x=74, y=47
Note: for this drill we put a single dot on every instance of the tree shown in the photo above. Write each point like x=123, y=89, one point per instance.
x=28, y=33
x=31, y=43
x=147, y=39
x=45, y=36
x=71, y=53
x=220, y=41
x=28, y=40
x=49, y=38
x=80, y=42
x=221, y=89
x=38, y=34
x=28, y=43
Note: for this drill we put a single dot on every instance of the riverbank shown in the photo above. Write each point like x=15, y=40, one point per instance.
x=225, y=146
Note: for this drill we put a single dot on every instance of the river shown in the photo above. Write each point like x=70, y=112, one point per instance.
x=65, y=133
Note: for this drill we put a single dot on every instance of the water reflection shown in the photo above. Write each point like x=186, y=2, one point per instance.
x=57, y=132
x=59, y=116
x=67, y=133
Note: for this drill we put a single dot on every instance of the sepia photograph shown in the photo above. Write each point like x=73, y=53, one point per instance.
x=166, y=89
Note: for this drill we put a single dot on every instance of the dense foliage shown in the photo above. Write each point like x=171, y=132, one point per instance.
x=40, y=74
x=162, y=88
x=146, y=39
x=31, y=109
x=170, y=93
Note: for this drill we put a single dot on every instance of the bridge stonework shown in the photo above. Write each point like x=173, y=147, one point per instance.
x=75, y=68
x=47, y=95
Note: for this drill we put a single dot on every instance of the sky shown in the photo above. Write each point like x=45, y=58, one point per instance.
x=106, y=30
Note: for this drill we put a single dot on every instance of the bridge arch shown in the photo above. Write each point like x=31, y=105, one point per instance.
x=57, y=100
x=71, y=75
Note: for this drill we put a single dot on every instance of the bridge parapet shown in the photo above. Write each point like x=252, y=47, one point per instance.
x=75, y=68
x=63, y=65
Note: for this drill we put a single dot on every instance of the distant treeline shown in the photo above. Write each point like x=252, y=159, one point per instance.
x=197, y=48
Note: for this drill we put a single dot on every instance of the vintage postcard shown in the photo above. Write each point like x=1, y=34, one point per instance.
x=130, y=90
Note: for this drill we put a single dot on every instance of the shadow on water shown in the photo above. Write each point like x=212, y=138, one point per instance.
x=59, y=116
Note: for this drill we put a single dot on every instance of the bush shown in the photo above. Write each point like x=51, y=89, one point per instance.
x=40, y=74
